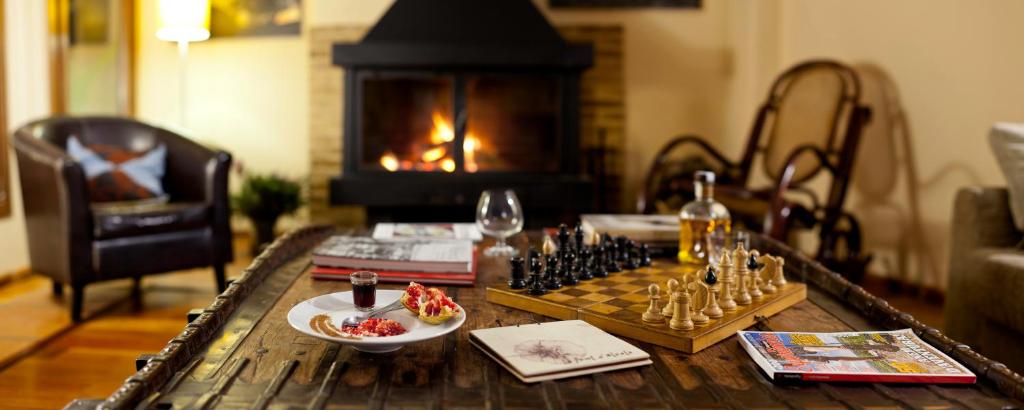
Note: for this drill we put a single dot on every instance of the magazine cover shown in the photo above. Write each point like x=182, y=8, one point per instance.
x=897, y=356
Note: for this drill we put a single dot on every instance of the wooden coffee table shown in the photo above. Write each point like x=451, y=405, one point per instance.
x=240, y=352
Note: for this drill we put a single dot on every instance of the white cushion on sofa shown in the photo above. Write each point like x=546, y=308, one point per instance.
x=1007, y=141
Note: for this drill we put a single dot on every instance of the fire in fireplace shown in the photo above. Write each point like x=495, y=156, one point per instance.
x=446, y=98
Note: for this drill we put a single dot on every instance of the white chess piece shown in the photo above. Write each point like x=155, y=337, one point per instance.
x=653, y=314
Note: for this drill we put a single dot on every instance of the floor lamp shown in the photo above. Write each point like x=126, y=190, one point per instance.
x=183, y=21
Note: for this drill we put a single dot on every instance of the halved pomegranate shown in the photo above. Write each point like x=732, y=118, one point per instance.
x=412, y=296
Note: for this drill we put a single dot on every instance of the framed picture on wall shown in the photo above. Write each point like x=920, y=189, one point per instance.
x=689, y=4
x=231, y=18
x=5, y=177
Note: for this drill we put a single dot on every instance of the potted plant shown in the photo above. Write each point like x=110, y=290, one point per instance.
x=263, y=199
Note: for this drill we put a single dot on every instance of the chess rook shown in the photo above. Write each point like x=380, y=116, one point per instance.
x=681, y=316
x=517, y=274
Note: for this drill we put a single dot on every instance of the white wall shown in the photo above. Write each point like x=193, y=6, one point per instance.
x=247, y=95
x=958, y=68
x=27, y=98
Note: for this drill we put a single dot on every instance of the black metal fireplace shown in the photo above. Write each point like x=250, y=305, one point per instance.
x=446, y=98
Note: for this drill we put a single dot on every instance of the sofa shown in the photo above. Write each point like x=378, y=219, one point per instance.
x=984, y=307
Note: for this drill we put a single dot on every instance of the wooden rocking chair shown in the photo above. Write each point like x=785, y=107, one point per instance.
x=811, y=122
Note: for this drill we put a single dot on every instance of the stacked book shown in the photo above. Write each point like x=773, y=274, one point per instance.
x=449, y=262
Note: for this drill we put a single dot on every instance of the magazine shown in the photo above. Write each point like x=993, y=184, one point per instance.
x=555, y=350
x=897, y=356
x=386, y=231
x=357, y=252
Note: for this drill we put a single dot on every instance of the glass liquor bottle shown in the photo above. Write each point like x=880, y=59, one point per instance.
x=702, y=222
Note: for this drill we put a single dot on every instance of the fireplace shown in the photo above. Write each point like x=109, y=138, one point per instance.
x=446, y=98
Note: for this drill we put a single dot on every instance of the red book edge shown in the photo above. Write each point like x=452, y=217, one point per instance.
x=330, y=273
x=883, y=378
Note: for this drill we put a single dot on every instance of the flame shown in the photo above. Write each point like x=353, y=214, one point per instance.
x=469, y=147
x=439, y=151
x=442, y=131
x=448, y=165
x=434, y=154
x=389, y=161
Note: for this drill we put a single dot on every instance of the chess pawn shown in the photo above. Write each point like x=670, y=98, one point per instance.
x=610, y=252
x=779, y=277
x=669, y=309
x=536, y=284
x=681, y=317
x=645, y=255
x=597, y=263
x=727, y=303
x=567, y=270
x=755, y=287
x=551, y=279
x=742, y=274
x=620, y=248
x=653, y=315
x=769, y=268
x=712, y=310
x=585, y=263
x=631, y=261
x=579, y=268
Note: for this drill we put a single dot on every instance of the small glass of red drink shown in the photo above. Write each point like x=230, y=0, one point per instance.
x=364, y=290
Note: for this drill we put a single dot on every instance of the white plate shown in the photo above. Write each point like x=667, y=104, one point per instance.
x=339, y=305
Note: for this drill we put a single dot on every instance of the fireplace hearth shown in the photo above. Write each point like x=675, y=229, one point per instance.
x=446, y=98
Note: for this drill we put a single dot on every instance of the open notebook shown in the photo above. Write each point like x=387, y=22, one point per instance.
x=556, y=350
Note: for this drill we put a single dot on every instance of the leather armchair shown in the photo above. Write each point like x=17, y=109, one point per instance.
x=76, y=243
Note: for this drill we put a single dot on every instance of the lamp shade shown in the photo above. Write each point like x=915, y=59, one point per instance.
x=184, y=20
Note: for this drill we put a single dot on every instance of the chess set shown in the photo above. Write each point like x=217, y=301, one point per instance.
x=613, y=284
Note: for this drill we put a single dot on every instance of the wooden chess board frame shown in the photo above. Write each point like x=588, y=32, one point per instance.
x=616, y=303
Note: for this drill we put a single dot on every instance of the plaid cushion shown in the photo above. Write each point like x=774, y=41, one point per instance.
x=116, y=174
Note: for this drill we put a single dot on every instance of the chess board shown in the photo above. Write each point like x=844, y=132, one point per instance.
x=616, y=303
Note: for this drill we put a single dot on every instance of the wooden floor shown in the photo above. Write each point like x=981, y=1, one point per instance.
x=47, y=361
x=92, y=359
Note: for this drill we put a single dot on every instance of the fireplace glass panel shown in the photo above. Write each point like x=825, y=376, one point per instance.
x=512, y=123
x=406, y=124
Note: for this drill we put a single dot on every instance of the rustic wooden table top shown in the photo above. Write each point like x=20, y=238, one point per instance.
x=241, y=352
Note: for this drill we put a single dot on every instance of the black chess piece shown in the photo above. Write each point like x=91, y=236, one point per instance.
x=597, y=263
x=551, y=279
x=531, y=255
x=567, y=270
x=645, y=255
x=577, y=235
x=536, y=285
x=586, y=268
x=632, y=260
x=610, y=263
x=752, y=263
x=518, y=273
x=621, y=251
x=711, y=277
